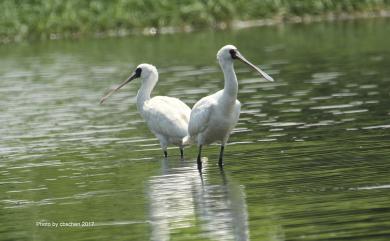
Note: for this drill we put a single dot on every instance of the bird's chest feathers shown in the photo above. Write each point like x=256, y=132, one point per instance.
x=226, y=108
x=223, y=117
x=219, y=126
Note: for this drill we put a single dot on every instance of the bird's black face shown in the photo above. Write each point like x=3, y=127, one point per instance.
x=233, y=53
x=137, y=73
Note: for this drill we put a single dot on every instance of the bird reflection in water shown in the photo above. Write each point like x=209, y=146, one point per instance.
x=184, y=201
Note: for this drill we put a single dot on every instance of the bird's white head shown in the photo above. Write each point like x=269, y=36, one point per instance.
x=229, y=53
x=146, y=72
x=225, y=53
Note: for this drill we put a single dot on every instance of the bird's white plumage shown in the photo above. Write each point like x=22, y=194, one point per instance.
x=214, y=117
x=167, y=118
x=200, y=115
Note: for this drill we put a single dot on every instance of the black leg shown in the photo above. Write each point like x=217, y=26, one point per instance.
x=165, y=154
x=181, y=152
x=199, y=161
x=220, y=162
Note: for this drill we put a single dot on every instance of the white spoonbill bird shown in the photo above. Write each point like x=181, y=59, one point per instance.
x=214, y=117
x=167, y=117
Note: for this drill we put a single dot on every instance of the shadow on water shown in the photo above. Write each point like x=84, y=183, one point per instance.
x=209, y=204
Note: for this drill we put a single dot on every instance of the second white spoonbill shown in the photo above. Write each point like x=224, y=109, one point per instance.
x=214, y=117
x=167, y=117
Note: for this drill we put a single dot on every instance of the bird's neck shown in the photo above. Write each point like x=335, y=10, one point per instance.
x=145, y=91
x=231, y=85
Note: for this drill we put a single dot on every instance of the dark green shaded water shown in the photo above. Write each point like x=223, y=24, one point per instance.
x=308, y=160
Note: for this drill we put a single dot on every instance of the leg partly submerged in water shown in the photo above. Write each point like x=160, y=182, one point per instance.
x=181, y=152
x=199, y=161
x=220, y=161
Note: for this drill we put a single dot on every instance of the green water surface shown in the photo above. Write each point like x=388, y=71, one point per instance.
x=308, y=160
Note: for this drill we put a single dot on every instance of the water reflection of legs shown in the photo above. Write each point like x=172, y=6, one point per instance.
x=171, y=200
x=223, y=176
x=181, y=198
x=222, y=210
x=164, y=166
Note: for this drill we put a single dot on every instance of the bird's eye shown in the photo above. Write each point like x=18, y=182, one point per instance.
x=138, y=72
x=233, y=53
